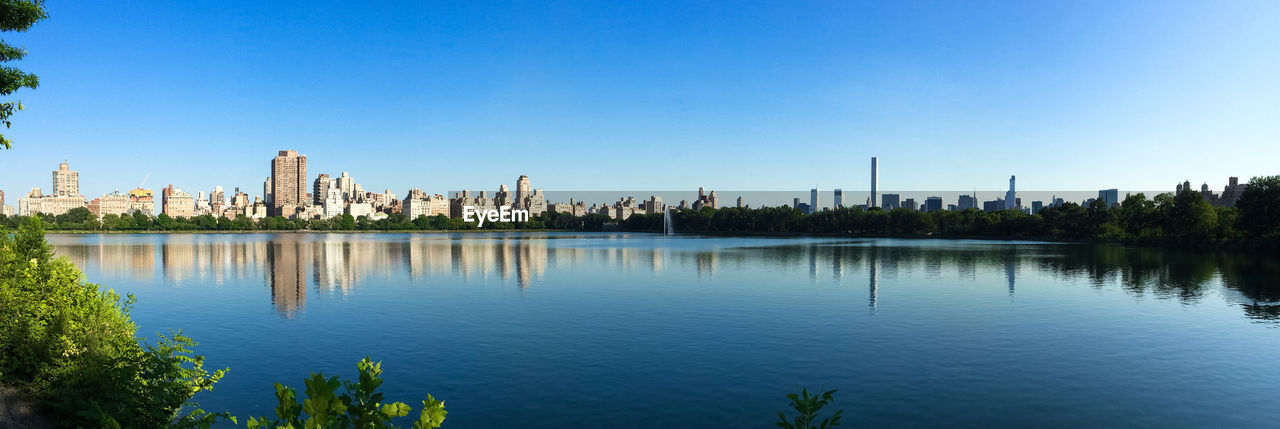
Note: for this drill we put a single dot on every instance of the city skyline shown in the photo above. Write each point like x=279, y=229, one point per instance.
x=285, y=193
x=1086, y=95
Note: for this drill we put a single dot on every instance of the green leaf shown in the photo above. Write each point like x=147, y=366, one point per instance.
x=397, y=409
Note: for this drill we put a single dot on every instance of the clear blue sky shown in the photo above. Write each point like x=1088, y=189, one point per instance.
x=620, y=95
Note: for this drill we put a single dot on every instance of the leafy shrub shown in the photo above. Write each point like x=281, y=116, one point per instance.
x=808, y=405
x=359, y=407
x=72, y=346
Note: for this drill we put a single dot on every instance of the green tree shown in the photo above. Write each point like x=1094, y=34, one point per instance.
x=346, y=222
x=1191, y=216
x=74, y=218
x=1259, y=206
x=16, y=15
x=440, y=221
x=1137, y=217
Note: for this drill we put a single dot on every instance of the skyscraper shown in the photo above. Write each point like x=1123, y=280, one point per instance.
x=813, y=200
x=875, y=176
x=933, y=204
x=522, y=190
x=320, y=189
x=347, y=186
x=266, y=191
x=1109, y=196
x=66, y=183
x=1010, y=198
x=839, y=199
x=288, y=182
x=890, y=201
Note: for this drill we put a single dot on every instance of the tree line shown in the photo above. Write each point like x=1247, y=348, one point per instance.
x=1182, y=218
x=80, y=219
x=1185, y=218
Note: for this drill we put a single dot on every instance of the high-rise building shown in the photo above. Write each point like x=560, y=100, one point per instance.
x=288, y=182
x=1109, y=196
x=320, y=188
x=536, y=204
x=502, y=197
x=875, y=177
x=165, y=193
x=813, y=200
x=266, y=191
x=838, y=202
x=967, y=202
x=933, y=204
x=1036, y=206
x=522, y=190
x=909, y=204
x=347, y=185
x=705, y=199
x=1010, y=198
x=653, y=206
x=740, y=203
x=217, y=201
x=66, y=183
x=333, y=204
x=890, y=201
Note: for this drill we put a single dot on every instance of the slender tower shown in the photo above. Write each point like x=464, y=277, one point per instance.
x=874, y=176
x=1010, y=199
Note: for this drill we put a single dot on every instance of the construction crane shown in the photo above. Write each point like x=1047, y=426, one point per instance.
x=144, y=180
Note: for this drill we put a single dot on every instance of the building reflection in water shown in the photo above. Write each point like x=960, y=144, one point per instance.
x=1010, y=272
x=287, y=261
x=873, y=277
x=340, y=263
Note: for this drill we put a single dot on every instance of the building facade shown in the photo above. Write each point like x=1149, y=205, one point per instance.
x=288, y=182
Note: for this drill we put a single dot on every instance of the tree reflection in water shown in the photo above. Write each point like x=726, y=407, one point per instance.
x=293, y=264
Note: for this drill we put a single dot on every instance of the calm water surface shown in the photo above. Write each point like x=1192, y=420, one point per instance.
x=634, y=330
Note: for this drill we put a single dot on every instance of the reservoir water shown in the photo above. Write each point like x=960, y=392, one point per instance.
x=638, y=330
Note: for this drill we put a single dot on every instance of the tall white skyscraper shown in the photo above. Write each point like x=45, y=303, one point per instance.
x=1010, y=198
x=875, y=176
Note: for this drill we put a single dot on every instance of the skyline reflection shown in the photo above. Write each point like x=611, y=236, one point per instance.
x=293, y=265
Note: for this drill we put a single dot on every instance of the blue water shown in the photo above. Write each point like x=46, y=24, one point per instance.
x=636, y=330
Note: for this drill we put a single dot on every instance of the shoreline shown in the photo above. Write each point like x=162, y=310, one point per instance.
x=1255, y=244
x=304, y=231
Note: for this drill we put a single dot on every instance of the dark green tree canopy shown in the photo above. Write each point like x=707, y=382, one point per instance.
x=1260, y=206
x=15, y=15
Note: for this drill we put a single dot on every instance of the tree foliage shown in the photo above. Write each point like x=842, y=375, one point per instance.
x=1260, y=207
x=15, y=15
x=72, y=345
x=807, y=406
x=359, y=406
